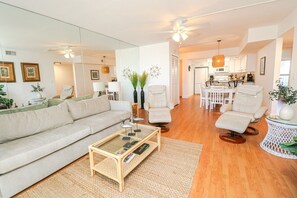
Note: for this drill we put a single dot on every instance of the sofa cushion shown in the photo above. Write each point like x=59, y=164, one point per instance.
x=56, y=101
x=20, y=152
x=23, y=124
x=104, y=120
x=88, y=107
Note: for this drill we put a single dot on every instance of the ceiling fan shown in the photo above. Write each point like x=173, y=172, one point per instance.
x=65, y=50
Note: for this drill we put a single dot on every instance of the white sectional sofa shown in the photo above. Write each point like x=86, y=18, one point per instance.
x=35, y=144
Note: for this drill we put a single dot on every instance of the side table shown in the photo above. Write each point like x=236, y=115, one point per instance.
x=279, y=131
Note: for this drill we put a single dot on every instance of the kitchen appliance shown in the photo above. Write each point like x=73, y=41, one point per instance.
x=250, y=77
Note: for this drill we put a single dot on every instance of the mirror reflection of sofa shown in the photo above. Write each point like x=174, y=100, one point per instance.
x=36, y=143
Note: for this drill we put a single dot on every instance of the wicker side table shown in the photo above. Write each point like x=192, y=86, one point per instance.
x=279, y=131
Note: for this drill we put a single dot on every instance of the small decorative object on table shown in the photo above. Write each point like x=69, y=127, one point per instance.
x=127, y=128
x=142, y=82
x=38, y=89
x=136, y=120
x=288, y=96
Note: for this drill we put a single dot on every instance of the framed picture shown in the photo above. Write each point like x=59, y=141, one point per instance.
x=30, y=72
x=262, y=65
x=94, y=74
x=7, y=72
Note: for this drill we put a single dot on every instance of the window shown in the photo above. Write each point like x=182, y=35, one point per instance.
x=285, y=72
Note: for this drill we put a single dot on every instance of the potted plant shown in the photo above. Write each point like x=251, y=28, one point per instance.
x=142, y=82
x=134, y=80
x=5, y=103
x=37, y=89
x=286, y=95
x=290, y=146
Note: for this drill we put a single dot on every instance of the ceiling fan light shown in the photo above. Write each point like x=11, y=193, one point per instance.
x=67, y=55
x=71, y=55
x=184, y=36
x=176, y=37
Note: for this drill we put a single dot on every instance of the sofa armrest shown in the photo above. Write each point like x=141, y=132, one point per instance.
x=226, y=107
x=121, y=105
x=260, y=112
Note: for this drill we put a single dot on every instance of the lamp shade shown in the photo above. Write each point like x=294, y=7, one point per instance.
x=218, y=61
x=98, y=86
x=113, y=86
x=105, y=70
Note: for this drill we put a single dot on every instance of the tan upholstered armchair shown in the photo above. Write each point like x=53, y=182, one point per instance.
x=66, y=93
x=246, y=109
x=158, y=107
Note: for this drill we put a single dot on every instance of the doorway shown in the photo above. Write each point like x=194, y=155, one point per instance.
x=63, y=75
x=200, y=76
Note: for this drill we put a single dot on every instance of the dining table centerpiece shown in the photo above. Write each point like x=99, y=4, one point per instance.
x=286, y=95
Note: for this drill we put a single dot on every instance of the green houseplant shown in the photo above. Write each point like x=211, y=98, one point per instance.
x=288, y=96
x=290, y=146
x=133, y=77
x=5, y=103
x=142, y=82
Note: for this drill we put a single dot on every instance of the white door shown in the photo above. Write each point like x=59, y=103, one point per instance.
x=200, y=76
x=174, y=81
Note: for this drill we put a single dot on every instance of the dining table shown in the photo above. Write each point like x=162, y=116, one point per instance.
x=229, y=91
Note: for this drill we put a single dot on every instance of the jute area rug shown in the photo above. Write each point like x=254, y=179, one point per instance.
x=168, y=173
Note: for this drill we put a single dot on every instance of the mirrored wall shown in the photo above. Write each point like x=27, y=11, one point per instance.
x=37, y=50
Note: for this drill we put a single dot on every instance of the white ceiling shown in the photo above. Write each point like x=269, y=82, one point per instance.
x=142, y=22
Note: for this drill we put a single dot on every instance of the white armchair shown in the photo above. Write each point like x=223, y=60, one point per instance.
x=66, y=93
x=246, y=109
x=158, y=107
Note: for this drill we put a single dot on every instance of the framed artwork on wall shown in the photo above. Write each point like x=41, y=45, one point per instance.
x=94, y=74
x=7, y=73
x=262, y=65
x=30, y=72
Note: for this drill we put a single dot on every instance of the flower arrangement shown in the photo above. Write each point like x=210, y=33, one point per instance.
x=284, y=93
x=37, y=88
x=142, y=79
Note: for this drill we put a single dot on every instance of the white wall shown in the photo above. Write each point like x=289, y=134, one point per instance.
x=272, y=52
x=157, y=54
x=20, y=91
x=126, y=58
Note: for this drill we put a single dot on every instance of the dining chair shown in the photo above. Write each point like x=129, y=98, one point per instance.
x=216, y=96
x=202, y=95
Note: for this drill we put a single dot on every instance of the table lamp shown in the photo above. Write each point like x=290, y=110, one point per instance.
x=114, y=87
x=98, y=87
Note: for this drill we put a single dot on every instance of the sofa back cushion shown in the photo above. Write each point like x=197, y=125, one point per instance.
x=17, y=125
x=88, y=107
x=26, y=108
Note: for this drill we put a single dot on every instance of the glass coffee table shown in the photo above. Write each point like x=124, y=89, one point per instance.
x=115, y=150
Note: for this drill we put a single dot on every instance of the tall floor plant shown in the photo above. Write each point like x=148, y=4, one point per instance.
x=134, y=80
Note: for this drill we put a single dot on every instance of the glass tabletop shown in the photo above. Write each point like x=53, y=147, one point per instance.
x=278, y=120
x=116, y=144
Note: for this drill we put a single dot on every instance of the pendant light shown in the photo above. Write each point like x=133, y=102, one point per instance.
x=218, y=60
x=104, y=68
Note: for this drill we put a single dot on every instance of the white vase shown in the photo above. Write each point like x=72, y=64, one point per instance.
x=38, y=95
x=286, y=112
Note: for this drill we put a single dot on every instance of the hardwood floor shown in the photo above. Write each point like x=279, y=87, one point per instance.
x=229, y=170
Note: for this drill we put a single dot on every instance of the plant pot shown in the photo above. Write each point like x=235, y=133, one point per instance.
x=142, y=98
x=135, y=96
x=286, y=112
